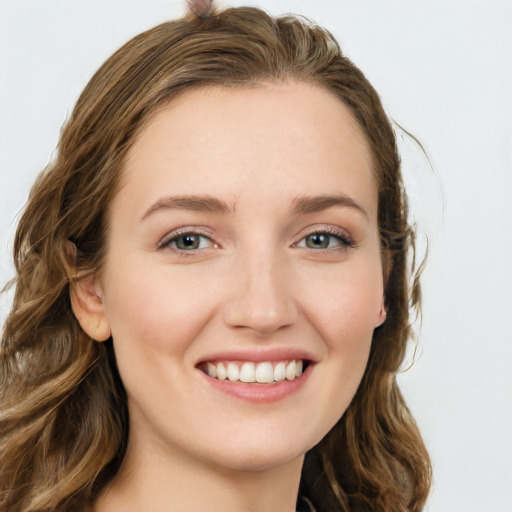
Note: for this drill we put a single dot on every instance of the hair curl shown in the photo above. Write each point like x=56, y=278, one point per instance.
x=63, y=422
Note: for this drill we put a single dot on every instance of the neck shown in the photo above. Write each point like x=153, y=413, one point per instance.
x=159, y=481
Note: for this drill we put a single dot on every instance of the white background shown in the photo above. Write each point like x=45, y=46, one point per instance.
x=444, y=71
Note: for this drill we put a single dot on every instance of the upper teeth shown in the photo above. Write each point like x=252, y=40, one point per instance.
x=264, y=373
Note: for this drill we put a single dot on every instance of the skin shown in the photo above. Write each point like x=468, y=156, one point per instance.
x=256, y=281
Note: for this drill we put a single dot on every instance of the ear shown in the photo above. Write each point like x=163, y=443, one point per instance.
x=386, y=270
x=381, y=315
x=87, y=304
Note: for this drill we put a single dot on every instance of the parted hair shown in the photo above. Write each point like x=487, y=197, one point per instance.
x=63, y=412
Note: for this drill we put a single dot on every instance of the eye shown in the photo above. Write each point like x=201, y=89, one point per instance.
x=188, y=241
x=322, y=240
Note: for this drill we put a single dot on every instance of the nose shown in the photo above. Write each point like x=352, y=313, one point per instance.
x=261, y=296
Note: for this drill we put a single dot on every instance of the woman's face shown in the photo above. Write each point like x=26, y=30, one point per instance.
x=244, y=237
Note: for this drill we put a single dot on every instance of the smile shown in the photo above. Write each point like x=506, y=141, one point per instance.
x=264, y=372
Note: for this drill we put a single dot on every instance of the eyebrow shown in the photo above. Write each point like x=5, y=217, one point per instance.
x=202, y=203
x=205, y=203
x=314, y=204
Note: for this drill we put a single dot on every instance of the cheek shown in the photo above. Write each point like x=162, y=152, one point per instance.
x=156, y=309
x=345, y=306
x=343, y=311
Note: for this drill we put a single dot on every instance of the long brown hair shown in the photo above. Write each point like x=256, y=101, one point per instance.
x=63, y=419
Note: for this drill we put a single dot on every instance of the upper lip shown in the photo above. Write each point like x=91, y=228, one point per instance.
x=260, y=354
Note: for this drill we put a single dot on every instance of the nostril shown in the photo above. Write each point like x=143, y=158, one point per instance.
x=260, y=320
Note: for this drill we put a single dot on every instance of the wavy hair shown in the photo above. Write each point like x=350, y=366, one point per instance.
x=64, y=418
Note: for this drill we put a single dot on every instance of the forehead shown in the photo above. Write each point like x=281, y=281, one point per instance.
x=275, y=140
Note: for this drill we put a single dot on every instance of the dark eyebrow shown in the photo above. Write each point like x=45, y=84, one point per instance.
x=313, y=204
x=203, y=203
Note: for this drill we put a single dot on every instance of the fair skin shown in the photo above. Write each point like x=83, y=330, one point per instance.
x=245, y=232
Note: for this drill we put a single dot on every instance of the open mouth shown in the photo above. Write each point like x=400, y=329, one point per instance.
x=265, y=372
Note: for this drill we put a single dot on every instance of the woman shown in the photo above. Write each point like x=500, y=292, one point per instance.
x=212, y=286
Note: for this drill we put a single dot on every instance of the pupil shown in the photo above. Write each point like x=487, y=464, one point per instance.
x=321, y=241
x=188, y=242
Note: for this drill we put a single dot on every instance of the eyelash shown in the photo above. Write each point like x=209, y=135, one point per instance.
x=342, y=236
x=171, y=239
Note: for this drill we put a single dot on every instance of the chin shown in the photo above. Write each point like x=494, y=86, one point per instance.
x=261, y=453
x=261, y=460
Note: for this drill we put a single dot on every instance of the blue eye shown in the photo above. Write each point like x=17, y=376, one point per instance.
x=324, y=240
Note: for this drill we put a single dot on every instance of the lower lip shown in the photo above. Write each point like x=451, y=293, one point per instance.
x=260, y=393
